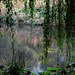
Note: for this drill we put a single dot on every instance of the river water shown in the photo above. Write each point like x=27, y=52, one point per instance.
x=29, y=46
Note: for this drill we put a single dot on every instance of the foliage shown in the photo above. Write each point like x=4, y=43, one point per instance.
x=25, y=5
x=46, y=73
x=9, y=6
x=53, y=69
x=31, y=5
x=46, y=31
x=60, y=13
x=69, y=21
x=3, y=72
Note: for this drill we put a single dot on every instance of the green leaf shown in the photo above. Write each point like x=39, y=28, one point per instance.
x=1, y=67
x=55, y=69
x=5, y=73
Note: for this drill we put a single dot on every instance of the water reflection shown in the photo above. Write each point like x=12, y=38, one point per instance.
x=37, y=68
x=33, y=47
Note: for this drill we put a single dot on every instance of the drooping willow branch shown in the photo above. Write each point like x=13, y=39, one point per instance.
x=60, y=30
x=9, y=22
x=12, y=41
x=25, y=5
x=70, y=21
x=46, y=28
x=9, y=6
x=31, y=5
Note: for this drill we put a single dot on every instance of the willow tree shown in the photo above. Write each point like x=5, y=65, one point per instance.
x=46, y=30
x=60, y=36
x=0, y=14
x=25, y=9
x=0, y=7
x=53, y=11
x=9, y=22
x=53, y=19
x=31, y=5
x=70, y=20
x=9, y=6
x=25, y=4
